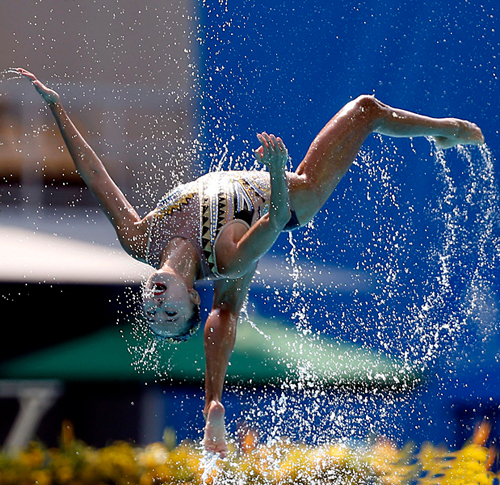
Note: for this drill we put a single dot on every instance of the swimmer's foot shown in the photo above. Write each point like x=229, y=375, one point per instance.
x=214, y=440
x=462, y=133
x=48, y=95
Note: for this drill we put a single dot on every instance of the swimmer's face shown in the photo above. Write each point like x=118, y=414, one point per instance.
x=168, y=304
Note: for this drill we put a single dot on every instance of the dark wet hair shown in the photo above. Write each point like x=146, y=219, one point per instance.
x=192, y=325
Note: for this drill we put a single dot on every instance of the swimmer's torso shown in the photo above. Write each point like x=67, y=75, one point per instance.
x=200, y=210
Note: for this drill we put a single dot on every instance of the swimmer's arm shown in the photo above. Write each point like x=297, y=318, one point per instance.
x=237, y=252
x=123, y=216
x=112, y=201
x=241, y=253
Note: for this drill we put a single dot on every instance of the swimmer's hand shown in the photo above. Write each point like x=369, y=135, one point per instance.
x=272, y=152
x=50, y=96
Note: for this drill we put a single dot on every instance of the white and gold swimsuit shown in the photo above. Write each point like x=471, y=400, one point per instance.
x=199, y=210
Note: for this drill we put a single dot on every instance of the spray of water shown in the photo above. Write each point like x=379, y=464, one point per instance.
x=437, y=312
x=443, y=308
x=7, y=74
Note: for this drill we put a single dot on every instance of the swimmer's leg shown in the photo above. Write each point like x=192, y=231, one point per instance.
x=336, y=146
x=219, y=339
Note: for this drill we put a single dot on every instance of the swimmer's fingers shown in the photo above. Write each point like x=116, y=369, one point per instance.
x=258, y=153
x=278, y=150
x=265, y=152
x=262, y=153
x=282, y=146
x=26, y=73
x=48, y=95
x=272, y=151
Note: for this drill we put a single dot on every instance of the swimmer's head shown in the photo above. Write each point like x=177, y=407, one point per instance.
x=172, y=309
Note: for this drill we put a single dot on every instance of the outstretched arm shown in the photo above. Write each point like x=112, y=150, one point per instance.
x=237, y=252
x=119, y=211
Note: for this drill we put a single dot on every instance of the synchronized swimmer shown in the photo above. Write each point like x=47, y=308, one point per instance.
x=219, y=226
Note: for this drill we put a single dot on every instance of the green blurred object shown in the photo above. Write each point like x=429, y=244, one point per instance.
x=266, y=351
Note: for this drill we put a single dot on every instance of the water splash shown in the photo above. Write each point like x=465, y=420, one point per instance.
x=423, y=259
x=466, y=256
x=430, y=317
x=9, y=74
x=485, y=192
x=210, y=466
x=148, y=352
x=450, y=302
x=300, y=304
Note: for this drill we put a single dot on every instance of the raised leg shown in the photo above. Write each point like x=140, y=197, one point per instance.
x=336, y=146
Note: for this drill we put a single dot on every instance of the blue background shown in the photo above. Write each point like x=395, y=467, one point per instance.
x=423, y=226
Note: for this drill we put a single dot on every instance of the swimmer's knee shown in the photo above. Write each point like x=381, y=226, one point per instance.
x=365, y=101
x=369, y=105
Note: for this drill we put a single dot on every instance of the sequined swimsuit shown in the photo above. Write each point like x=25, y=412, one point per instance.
x=199, y=210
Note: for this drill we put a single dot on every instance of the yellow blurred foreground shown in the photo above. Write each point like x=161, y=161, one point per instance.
x=282, y=463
